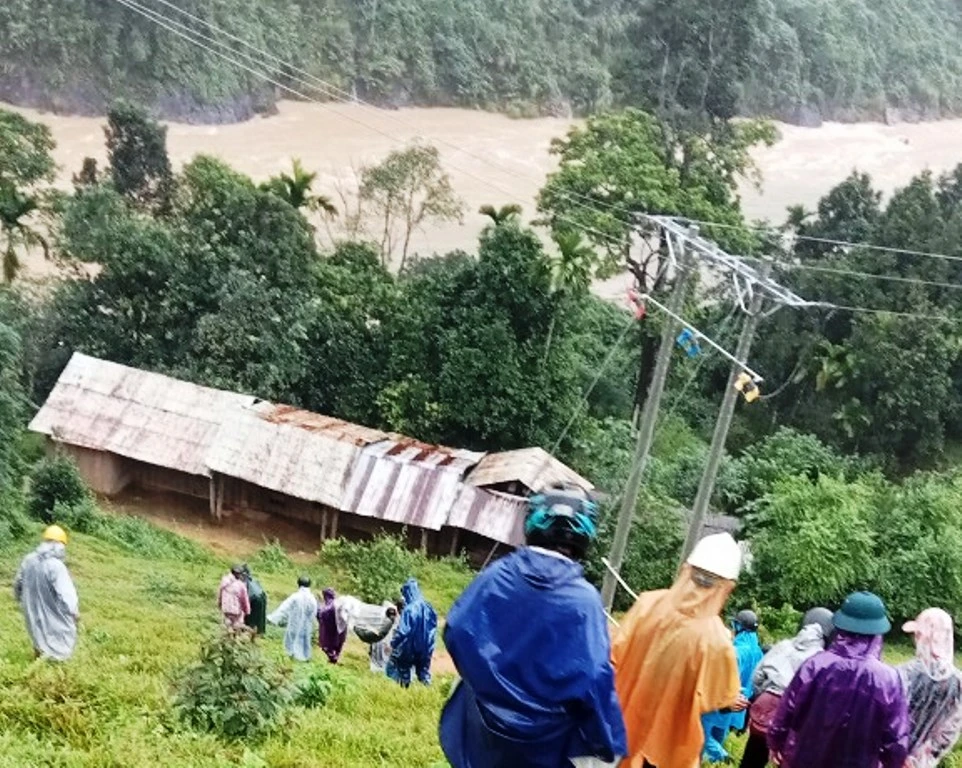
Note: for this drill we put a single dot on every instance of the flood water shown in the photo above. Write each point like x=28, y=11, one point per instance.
x=495, y=159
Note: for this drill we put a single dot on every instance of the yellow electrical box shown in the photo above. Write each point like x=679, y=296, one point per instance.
x=748, y=388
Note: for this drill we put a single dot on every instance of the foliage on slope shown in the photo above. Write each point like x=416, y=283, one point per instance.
x=793, y=58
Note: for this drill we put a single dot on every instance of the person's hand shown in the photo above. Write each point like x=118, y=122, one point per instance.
x=741, y=704
x=775, y=758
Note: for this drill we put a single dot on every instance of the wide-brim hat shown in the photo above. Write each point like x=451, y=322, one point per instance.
x=862, y=613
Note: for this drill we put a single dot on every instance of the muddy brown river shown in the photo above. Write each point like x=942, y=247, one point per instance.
x=495, y=159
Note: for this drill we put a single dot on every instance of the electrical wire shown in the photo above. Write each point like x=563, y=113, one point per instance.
x=825, y=240
x=857, y=273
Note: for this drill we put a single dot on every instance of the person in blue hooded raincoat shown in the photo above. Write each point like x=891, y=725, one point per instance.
x=529, y=640
x=748, y=652
x=413, y=644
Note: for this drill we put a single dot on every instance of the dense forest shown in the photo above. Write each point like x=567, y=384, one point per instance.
x=800, y=60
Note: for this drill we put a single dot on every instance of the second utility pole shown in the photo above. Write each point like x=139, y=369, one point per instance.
x=707, y=485
x=646, y=432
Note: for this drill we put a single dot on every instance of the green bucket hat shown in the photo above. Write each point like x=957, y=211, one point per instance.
x=862, y=613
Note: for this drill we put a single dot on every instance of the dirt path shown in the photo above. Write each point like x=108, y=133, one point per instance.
x=236, y=537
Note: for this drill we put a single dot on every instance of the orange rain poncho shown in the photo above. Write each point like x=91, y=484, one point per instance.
x=674, y=661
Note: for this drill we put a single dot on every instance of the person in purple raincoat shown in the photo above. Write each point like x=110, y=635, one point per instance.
x=330, y=636
x=845, y=708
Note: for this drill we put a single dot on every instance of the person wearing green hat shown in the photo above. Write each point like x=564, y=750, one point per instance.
x=845, y=707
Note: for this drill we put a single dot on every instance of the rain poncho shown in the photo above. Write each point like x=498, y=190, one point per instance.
x=233, y=600
x=298, y=612
x=528, y=637
x=748, y=652
x=674, y=661
x=934, y=690
x=257, y=618
x=380, y=651
x=413, y=643
x=48, y=598
x=330, y=636
x=780, y=664
x=844, y=708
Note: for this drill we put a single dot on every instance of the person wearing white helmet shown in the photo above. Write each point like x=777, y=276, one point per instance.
x=674, y=660
x=48, y=598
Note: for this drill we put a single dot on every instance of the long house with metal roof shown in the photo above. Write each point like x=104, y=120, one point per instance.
x=129, y=428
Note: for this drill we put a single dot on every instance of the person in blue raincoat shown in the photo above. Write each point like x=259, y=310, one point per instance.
x=529, y=640
x=749, y=653
x=413, y=644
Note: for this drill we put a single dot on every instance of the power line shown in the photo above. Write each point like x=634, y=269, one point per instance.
x=892, y=312
x=826, y=240
x=336, y=93
x=189, y=35
x=857, y=273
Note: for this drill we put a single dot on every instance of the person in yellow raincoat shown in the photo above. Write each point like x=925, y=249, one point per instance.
x=674, y=659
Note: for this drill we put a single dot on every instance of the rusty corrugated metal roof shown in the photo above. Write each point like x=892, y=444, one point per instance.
x=141, y=415
x=533, y=467
x=171, y=423
x=407, y=482
x=290, y=451
x=494, y=515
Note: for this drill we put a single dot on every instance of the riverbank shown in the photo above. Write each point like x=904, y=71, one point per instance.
x=496, y=159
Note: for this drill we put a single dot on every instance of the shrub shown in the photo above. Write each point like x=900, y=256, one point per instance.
x=784, y=454
x=314, y=690
x=233, y=691
x=377, y=568
x=53, y=480
x=78, y=517
x=812, y=542
x=272, y=558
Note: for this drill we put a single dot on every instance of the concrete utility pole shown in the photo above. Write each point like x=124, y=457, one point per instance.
x=646, y=434
x=707, y=485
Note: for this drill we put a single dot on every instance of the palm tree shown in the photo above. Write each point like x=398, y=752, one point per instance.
x=296, y=190
x=574, y=264
x=502, y=215
x=15, y=207
x=571, y=271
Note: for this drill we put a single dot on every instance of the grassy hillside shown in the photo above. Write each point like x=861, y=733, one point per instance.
x=144, y=619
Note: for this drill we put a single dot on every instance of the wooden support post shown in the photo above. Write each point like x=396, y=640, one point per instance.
x=334, y=524
x=212, y=493
x=216, y=496
x=324, y=525
x=424, y=540
x=454, y=542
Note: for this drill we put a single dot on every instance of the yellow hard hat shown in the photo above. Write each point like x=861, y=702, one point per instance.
x=55, y=533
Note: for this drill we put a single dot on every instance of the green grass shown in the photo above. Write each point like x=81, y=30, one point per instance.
x=141, y=621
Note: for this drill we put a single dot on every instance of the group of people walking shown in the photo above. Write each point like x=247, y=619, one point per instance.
x=542, y=686
x=400, y=636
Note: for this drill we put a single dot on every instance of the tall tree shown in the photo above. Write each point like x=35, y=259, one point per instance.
x=137, y=154
x=17, y=232
x=26, y=166
x=406, y=190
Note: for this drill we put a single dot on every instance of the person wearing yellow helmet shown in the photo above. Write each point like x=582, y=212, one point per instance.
x=48, y=597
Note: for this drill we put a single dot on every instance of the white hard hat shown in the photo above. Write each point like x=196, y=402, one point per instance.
x=718, y=554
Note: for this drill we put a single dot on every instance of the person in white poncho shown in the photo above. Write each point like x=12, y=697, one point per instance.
x=298, y=613
x=48, y=598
